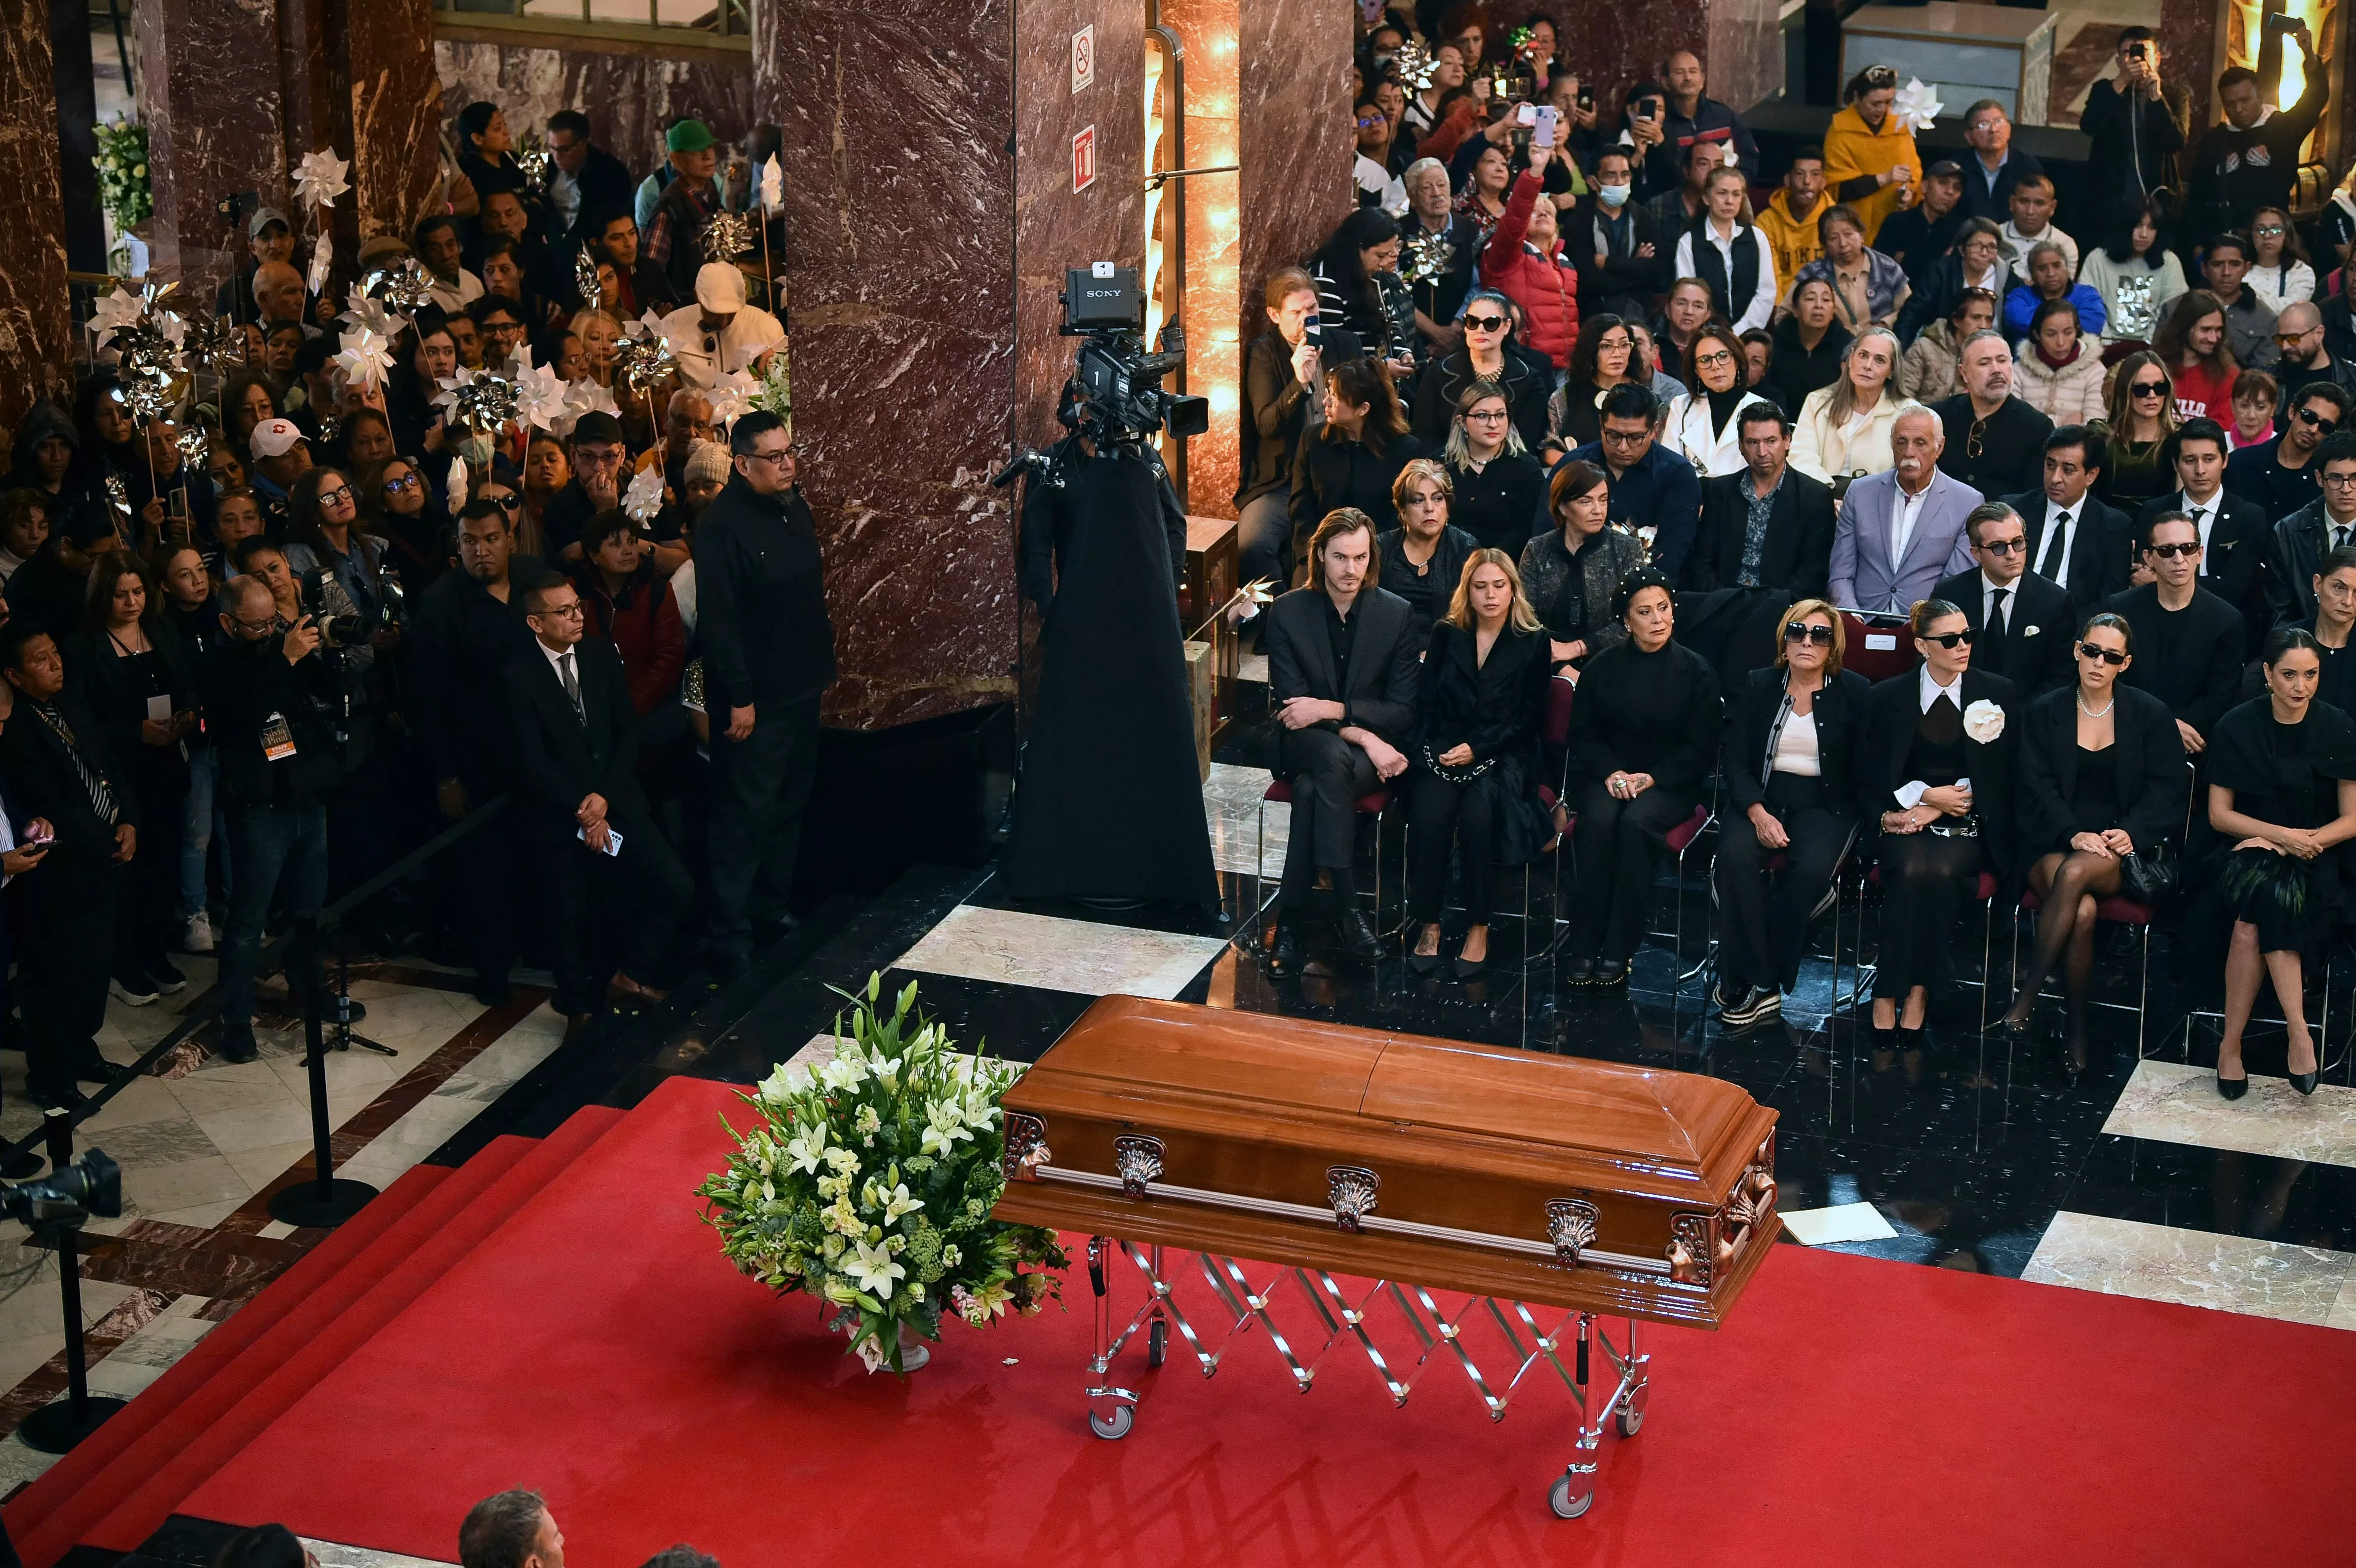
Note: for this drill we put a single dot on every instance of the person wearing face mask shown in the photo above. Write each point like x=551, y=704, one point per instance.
x=1526, y=261
x=1621, y=251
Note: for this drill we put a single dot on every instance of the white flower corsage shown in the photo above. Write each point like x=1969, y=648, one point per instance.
x=1983, y=721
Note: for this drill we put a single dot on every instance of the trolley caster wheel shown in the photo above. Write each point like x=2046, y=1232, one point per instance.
x=1564, y=1505
x=1114, y=1427
x=1157, y=1343
x=1631, y=1422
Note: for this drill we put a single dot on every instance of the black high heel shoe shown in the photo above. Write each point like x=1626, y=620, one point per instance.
x=2232, y=1088
x=1910, y=1039
x=2018, y=1030
x=2304, y=1083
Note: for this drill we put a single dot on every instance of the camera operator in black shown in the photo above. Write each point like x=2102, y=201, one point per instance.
x=268, y=695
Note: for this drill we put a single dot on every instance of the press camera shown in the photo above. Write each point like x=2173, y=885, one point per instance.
x=91, y=1187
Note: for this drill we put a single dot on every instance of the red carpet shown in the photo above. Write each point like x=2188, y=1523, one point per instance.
x=596, y=1346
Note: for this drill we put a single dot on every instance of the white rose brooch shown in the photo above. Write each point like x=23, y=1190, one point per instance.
x=1983, y=721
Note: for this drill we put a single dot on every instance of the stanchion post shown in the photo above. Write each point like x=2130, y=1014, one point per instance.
x=324, y=1201
x=57, y=1426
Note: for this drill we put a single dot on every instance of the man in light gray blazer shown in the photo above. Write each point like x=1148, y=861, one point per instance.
x=1900, y=532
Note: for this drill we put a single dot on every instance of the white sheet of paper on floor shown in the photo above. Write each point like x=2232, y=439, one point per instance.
x=1842, y=1222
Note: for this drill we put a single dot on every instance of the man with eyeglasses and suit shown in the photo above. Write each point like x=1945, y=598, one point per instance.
x=2279, y=473
x=2307, y=535
x=2023, y=622
x=2188, y=641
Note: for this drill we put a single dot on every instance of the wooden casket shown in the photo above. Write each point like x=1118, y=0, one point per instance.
x=1502, y=1173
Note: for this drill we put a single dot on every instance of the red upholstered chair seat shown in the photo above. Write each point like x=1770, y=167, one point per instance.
x=1373, y=805
x=1985, y=890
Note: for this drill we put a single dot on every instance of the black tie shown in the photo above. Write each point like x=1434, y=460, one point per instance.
x=2339, y=534
x=1996, y=621
x=2050, y=567
x=571, y=686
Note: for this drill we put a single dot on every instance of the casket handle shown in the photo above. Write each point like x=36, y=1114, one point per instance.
x=1351, y=1190
x=1571, y=1227
x=1026, y=1147
x=1138, y=1159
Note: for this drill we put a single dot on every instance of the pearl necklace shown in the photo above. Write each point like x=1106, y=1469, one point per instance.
x=2091, y=712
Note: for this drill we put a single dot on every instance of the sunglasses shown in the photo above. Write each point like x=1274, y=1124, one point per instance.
x=1800, y=632
x=507, y=502
x=2288, y=339
x=2149, y=389
x=1950, y=638
x=2170, y=552
x=2110, y=656
x=2308, y=416
x=2018, y=547
x=1485, y=322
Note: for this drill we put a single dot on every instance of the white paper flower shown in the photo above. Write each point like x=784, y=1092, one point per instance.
x=643, y=499
x=365, y=359
x=585, y=396
x=1983, y=721
x=1917, y=105
x=323, y=256
x=123, y=307
x=540, y=395
x=731, y=395
x=454, y=491
x=364, y=309
x=319, y=179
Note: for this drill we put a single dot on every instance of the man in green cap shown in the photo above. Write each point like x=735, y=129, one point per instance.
x=689, y=198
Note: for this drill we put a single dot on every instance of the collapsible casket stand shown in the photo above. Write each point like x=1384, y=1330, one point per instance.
x=1112, y=1409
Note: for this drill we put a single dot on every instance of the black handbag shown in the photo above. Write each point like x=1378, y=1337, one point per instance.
x=2150, y=876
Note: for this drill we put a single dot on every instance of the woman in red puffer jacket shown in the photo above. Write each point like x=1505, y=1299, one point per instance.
x=1536, y=275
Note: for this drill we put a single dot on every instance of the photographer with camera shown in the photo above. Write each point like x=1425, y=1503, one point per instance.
x=2139, y=125
x=267, y=697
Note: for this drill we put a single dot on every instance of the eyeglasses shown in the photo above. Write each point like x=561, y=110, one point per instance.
x=777, y=459
x=1488, y=415
x=1485, y=322
x=2149, y=389
x=2017, y=545
x=1801, y=631
x=2110, y=656
x=2269, y=231
x=2288, y=339
x=2189, y=547
x=2308, y=416
x=566, y=611
x=340, y=493
x=1370, y=124
x=1708, y=361
x=2340, y=481
x=406, y=482
x=1627, y=437
x=1949, y=640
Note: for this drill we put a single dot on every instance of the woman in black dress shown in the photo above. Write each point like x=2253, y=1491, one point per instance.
x=1353, y=457
x=1604, y=358
x=1643, y=735
x=1791, y=756
x=1423, y=558
x=142, y=690
x=2103, y=777
x=1482, y=688
x=1937, y=775
x=2282, y=795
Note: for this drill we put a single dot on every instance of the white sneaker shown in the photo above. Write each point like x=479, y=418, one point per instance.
x=199, y=937
x=129, y=997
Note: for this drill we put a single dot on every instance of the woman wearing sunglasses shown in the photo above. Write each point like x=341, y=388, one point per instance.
x=1936, y=771
x=1791, y=731
x=2282, y=795
x=1487, y=354
x=2142, y=418
x=2101, y=778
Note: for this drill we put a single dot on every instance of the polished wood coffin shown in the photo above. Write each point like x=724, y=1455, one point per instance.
x=1539, y=1178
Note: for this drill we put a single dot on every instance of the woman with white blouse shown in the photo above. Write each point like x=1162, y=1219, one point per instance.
x=1704, y=425
x=1726, y=250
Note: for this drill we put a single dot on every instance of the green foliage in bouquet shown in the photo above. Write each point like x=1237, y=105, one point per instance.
x=869, y=1183
x=123, y=188
x=775, y=392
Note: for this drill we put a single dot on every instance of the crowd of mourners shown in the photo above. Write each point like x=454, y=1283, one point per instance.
x=260, y=648
x=1602, y=463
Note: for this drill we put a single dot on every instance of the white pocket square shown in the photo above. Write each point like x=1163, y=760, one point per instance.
x=2032, y=631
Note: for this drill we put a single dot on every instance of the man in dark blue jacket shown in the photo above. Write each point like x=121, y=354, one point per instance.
x=1649, y=487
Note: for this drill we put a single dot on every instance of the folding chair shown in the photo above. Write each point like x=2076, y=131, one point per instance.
x=1377, y=804
x=1984, y=891
x=2116, y=911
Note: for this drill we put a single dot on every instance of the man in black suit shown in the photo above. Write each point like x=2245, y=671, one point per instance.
x=61, y=771
x=2188, y=641
x=1342, y=675
x=1791, y=548
x=2075, y=541
x=2307, y=535
x=2025, y=624
x=582, y=175
x=579, y=806
x=2233, y=530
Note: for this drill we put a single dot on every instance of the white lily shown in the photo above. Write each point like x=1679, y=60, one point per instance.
x=806, y=1153
x=875, y=1270
x=898, y=1202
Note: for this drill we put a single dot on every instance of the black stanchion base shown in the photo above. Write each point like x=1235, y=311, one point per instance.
x=303, y=1206
x=55, y=1428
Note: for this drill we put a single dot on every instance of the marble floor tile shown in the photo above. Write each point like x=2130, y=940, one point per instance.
x=285, y=1120
x=32, y=1310
x=159, y=1189
x=335, y=1554
x=1231, y=798
x=2176, y=1103
x=1019, y=948
x=259, y=1167
x=2343, y=1311
x=2191, y=1268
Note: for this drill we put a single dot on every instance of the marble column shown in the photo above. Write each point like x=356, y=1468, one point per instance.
x=2189, y=54
x=1215, y=331
x=394, y=114
x=930, y=238
x=36, y=319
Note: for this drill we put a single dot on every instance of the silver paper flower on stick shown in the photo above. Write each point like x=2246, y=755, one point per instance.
x=195, y=444
x=402, y=284
x=585, y=277
x=479, y=400
x=126, y=306
x=363, y=310
x=1414, y=65
x=211, y=343
x=533, y=163
x=726, y=236
x=645, y=359
x=1429, y=257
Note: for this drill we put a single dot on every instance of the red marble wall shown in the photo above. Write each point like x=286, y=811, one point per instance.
x=1620, y=45
x=1294, y=141
x=628, y=96
x=2188, y=52
x=36, y=320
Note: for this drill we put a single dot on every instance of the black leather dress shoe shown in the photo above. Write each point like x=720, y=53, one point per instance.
x=90, y=1066
x=54, y=1095
x=1611, y=971
x=1287, y=952
x=1358, y=937
x=1580, y=972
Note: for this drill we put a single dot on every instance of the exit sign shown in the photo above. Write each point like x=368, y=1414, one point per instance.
x=1084, y=158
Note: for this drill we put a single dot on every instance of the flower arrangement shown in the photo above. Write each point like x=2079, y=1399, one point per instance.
x=775, y=391
x=869, y=1183
x=123, y=185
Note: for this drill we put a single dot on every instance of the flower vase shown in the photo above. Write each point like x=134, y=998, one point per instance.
x=914, y=1352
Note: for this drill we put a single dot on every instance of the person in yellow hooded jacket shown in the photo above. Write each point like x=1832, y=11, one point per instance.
x=1870, y=161
x=1789, y=218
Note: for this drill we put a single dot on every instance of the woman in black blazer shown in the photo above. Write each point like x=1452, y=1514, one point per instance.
x=1482, y=688
x=1643, y=735
x=1936, y=776
x=1791, y=735
x=2103, y=777
x=1355, y=455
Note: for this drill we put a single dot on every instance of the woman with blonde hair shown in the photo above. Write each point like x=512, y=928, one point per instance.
x=598, y=332
x=2142, y=417
x=1482, y=689
x=1423, y=558
x=1844, y=429
x=1494, y=481
x=1792, y=732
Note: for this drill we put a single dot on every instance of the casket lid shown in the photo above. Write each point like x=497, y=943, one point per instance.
x=1131, y=1058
